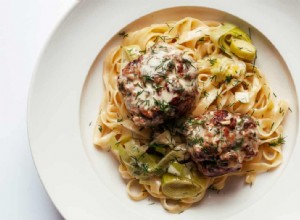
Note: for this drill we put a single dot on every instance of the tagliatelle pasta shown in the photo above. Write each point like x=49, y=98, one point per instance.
x=227, y=79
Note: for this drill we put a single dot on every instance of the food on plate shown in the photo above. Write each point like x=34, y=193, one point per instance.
x=159, y=85
x=219, y=141
x=185, y=107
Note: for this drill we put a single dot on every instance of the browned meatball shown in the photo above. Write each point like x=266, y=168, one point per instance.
x=159, y=85
x=220, y=141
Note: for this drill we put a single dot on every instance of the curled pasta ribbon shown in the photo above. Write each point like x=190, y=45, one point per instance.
x=267, y=159
x=193, y=37
x=103, y=141
x=218, y=183
x=155, y=194
x=153, y=186
x=136, y=191
x=174, y=206
x=195, y=199
x=124, y=173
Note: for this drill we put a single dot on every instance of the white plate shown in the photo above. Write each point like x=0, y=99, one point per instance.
x=64, y=100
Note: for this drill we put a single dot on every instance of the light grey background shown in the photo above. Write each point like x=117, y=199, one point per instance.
x=25, y=26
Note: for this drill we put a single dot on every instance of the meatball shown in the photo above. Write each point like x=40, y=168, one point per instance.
x=220, y=141
x=159, y=85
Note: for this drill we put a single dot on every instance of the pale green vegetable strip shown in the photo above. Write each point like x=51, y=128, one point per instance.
x=218, y=33
x=179, y=188
x=243, y=49
x=134, y=148
x=229, y=38
x=179, y=170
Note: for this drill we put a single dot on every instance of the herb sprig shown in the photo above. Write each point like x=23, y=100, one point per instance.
x=123, y=34
x=279, y=141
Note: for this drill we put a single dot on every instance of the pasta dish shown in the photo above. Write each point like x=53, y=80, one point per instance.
x=184, y=108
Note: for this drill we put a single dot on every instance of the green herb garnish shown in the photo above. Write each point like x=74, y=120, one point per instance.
x=123, y=34
x=279, y=141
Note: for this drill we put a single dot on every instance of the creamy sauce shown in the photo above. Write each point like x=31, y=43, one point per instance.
x=220, y=141
x=162, y=63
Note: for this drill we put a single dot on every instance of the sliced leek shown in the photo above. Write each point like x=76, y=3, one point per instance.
x=159, y=148
x=174, y=155
x=134, y=148
x=219, y=32
x=144, y=166
x=179, y=188
x=183, y=181
x=179, y=170
x=243, y=49
x=222, y=67
x=234, y=41
x=164, y=138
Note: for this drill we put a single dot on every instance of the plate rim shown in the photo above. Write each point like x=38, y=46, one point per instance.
x=48, y=43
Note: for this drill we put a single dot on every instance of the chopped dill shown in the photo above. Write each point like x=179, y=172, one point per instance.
x=222, y=48
x=162, y=64
x=147, y=78
x=201, y=39
x=272, y=125
x=213, y=77
x=193, y=121
x=228, y=79
x=139, y=93
x=188, y=63
x=205, y=94
x=212, y=61
x=279, y=141
x=280, y=110
x=162, y=105
x=123, y=34
x=253, y=68
x=119, y=119
x=249, y=33
x=197, y=140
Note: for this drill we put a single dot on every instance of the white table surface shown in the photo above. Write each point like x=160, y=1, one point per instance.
x=25, y=27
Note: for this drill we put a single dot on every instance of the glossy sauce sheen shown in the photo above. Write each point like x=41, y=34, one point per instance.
x=159, y=85
x=220, y=141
